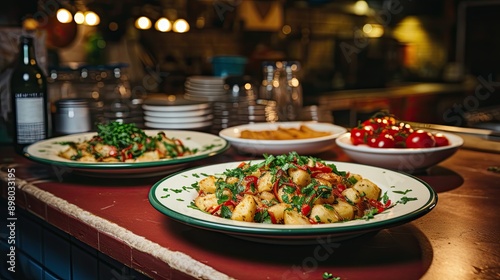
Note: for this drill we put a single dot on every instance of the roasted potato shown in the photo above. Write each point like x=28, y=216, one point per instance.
x=368, y=189
x=268, y=197
x=344, y=210
x=278, y=212
x=292, y=217
x=352, y=195
x=245, y=210
x=207, y=185
x=324, y=213
x=300, y=177
x=206, y=202
x=265, y=182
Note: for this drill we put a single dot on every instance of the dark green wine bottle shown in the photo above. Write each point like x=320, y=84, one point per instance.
x=28, y=89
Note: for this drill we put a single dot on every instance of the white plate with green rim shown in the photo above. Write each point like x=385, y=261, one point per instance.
x=206, y=145
x=173, y=195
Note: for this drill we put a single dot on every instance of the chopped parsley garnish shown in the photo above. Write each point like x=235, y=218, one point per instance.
x=402, y=192
x=405, y=199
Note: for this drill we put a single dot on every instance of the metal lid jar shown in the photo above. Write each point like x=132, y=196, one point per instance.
x=72, y=116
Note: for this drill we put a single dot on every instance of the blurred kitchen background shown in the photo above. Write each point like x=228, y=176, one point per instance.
x=432, y=61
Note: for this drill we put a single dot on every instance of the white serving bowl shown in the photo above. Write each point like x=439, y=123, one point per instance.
x=308, y=146
x=410, y=160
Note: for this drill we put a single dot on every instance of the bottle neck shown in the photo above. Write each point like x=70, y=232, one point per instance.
x=27, y=51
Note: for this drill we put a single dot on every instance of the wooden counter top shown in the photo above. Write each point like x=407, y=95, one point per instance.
x=456, y=240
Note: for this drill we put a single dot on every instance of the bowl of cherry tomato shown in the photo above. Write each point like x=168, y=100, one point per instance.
x=387, y=142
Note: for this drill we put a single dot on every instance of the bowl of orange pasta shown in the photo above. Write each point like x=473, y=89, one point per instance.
x=306, y=138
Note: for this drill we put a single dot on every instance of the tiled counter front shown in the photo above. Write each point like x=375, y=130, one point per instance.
x=46, y=252
x=55, y=238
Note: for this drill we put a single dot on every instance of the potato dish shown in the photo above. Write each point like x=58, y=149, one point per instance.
x=289, y=189
x=116, y=142
x=282, y=133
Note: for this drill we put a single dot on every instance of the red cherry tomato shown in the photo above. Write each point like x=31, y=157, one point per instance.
x=405, y=128
x=391, y=120
x=398, y=135
x=391, y=130
x=420, y=139
x=376, y=124
x=359, y=135
x=382, y=141
x=441, y=140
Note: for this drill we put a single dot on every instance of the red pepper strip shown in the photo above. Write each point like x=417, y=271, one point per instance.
x=337, y=193
x=226, y=203
x=388, y=203
x=377, y=204
x=241, y=165
x=273, y=218
x=248, y=182
x=305, y=209
x=341, y=187
x=179, y=143
x=125, y=154
x=313, y=221
x=293, y=185
x=275, y=190
x=302, y=167
x=276, y=184
x=319, y=167
x=215, y=209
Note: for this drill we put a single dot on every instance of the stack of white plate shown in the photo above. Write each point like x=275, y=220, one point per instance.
x=241, y=105
x=315, y=113
x=204, y=88
x=176, y=112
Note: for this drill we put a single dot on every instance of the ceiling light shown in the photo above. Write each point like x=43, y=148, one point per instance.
x=373, y=30
x=361, y=7
x=79, y=17
x=181, y=26
x=163, y=25
x=92, y=19
x=143, y=23
x=64, y=16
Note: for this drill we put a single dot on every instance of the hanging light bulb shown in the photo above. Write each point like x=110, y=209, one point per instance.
x=163, y=25
x=92, y=19
x=181, y=26
x=361, y=7
x=64, y=16
x=79, y=17
x=373, y=30
x=143, y=23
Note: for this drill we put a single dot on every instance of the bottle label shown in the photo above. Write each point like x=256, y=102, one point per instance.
x=30, y=117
